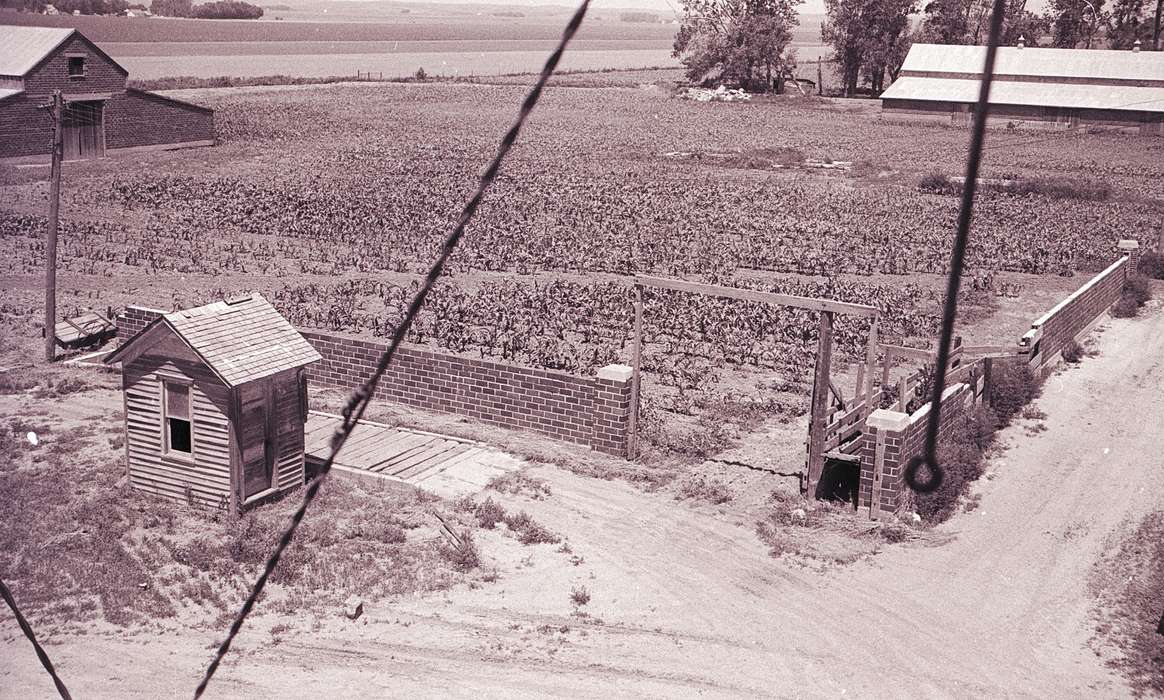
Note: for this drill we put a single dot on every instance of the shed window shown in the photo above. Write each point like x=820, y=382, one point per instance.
x=76, y=66
x=177, y=418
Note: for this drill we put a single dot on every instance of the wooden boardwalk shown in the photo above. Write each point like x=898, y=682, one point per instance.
x=404, y=457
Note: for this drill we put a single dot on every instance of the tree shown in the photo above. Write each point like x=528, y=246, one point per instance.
x=1128, y=24
x=738, y=41
x=172, y=8
x=867, y=35
x=968, y=22
x=1075, y=22
x=227, y=9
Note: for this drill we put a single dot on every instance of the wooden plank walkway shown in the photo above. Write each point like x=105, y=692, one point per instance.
x=406, y=458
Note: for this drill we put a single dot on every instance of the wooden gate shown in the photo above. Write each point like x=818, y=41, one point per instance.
x=83, y=130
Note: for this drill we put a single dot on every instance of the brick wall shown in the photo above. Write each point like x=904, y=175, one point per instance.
x=25, y=130
x=582, y=410
x=1070, y=317
x=138, y=118
x=102, y=75
x=591, y=411
x=890, y=440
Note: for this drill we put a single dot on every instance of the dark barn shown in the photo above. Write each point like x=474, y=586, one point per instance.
x=1048, y=88
x=102, y=114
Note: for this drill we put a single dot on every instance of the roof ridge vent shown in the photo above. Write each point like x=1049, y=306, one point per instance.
x=236, y=299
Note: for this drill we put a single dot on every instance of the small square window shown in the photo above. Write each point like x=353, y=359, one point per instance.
x=177, y=419
x=76, y=66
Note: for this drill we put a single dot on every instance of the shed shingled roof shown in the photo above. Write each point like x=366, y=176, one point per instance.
x=241, y=340
x=24, y=47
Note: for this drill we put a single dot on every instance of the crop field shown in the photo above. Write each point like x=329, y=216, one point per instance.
x=453, y=45
x=332, y=200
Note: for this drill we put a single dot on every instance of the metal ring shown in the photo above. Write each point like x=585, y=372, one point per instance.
x=911, y=471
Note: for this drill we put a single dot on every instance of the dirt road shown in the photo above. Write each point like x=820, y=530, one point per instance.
x=686, y=602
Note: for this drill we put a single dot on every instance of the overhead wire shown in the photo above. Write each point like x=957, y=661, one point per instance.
x=358, y=402
x=929, y=456
x=28, y=633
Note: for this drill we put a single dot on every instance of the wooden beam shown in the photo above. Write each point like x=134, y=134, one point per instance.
x=909, y=353
x=994, y=350
x=632, y=446
x=820, y=394
x=871, y=364
x=837, y=393
x=903, y=387
x=823, y=305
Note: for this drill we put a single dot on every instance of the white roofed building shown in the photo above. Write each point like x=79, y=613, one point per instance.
x=1064, y=88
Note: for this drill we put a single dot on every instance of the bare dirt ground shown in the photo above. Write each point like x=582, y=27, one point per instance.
x=685, y=600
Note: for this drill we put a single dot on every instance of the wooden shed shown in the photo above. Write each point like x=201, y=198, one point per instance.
x=215, y=403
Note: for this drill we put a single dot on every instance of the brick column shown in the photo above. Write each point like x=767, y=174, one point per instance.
x=612, y=399
x=1130, y=248
x=133, y=319
x=882, y=445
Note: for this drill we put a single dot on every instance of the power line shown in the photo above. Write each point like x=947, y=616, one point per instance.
x=358, y=402
x=957, y=259
x=40, y=654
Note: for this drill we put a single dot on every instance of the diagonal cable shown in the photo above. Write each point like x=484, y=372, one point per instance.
x=27, y=629
x=929, y=457
x=358, y=402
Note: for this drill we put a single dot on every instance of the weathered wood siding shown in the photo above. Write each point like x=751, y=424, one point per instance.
x=207, y=478
x=289, y=420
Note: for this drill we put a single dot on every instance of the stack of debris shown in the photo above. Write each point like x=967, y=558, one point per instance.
x=720, y=94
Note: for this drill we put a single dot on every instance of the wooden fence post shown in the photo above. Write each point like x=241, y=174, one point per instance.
x=632, y=451
x=870, y=366
x=820, y=395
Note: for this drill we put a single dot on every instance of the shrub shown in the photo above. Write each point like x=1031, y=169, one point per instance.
x=1073, y=352
x=421, y=75
x=934, y=182
x=466, y=557
x=580, y=596
x=528, y=531
x=1125, y=307
x=1152, y=266
x=489, y=513
x=711, y=490
x=1139, y=289
x=961, y=462
x=1014, y=385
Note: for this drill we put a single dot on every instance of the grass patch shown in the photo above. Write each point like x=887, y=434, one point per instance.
x=1129, y=602
x=700, y=488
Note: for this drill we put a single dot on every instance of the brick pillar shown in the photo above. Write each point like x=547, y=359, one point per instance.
x=133, y=319
x=1130, y=248
x=882, y=443
x=612, y=399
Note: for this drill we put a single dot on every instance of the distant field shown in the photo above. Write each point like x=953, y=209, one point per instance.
x=395, y=64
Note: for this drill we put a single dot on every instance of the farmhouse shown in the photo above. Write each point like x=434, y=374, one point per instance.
x=102, y=114
x=1064, y=88
x=215, y=403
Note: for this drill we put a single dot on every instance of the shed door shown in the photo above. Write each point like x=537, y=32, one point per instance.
x=255, y=439
x=82, y=130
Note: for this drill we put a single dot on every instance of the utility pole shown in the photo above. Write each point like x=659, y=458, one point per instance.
x=50, y=277
x=1156, y=36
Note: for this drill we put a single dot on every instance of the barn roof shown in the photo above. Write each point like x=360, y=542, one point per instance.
x=1094, y=64
x=1068, y=78
x=1067, y=95
x=24, y=47
x=241, y=339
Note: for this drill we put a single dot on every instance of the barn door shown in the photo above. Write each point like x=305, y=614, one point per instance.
x=255, y=440
x=82, y=130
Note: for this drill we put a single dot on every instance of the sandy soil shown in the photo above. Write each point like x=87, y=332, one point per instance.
x=685, y=600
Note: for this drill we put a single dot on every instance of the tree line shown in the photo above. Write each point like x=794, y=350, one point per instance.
x=748, y=42
x=218, y=9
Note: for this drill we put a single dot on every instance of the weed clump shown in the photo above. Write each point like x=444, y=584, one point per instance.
x=580, y=596
x=466, y=556
x=704, y=489
x=1136, y=292
x=1014, y=385
x=934, y=182
x=1073, y=352
x=960, y=454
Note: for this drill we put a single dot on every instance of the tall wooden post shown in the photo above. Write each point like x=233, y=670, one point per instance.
x=50, y=275
x=820, y=396
x=819, y=78
x=870, y=366
x=632, y=450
